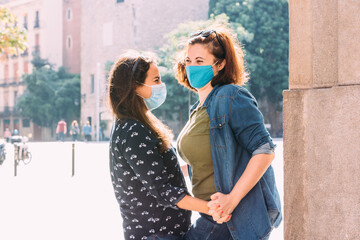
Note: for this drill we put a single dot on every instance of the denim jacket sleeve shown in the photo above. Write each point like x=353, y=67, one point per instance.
x=247, y=122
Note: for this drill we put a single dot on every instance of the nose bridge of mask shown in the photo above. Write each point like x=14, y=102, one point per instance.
x=143, y=84
x=151, y=86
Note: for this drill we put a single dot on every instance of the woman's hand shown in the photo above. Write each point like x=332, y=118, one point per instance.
x=223, y=203
x=218, y=215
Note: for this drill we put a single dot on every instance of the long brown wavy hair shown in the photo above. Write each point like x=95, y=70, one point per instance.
x=234, y=71
x=126, y=74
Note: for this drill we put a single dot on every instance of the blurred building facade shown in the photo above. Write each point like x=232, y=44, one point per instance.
x=81, y=35
x=53, y=32
x=107, y=30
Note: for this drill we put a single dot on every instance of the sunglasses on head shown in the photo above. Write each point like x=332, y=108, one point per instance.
x=207, y=33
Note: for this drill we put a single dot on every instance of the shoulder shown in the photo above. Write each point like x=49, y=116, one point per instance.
x=227, y=95
x=134, y=134
x=129, y=128
x=232, y=90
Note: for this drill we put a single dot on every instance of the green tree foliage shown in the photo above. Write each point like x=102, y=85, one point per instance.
x=50, y=95
x=179, y=98
x=267, y=52
x=12, y=37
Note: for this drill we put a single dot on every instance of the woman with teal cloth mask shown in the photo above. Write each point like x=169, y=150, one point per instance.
x=148, y=183
x=199, y=76
x=225, y=143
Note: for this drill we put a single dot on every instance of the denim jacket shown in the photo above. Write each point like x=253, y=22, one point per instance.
x=236, y=131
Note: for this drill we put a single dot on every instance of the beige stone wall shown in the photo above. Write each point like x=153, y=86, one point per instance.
x=52, y=34
x=321, y=121
x=72, y=30
x=107, y=30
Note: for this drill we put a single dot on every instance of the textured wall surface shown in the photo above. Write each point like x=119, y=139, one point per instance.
x=322, y=163
x=322, y=121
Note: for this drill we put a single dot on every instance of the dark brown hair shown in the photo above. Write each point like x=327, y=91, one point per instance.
x=126, y=74
x=234, y=71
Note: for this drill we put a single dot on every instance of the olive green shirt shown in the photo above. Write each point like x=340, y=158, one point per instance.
x=194, y=148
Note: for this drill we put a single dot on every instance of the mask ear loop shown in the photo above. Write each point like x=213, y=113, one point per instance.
x=215, y=63
x=140, y=84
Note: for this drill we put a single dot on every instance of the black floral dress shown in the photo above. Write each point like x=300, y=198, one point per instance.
x=147, y=185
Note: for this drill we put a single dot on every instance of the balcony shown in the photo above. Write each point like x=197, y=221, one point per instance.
x=6, y=82
x=25, y=53
x=6, y=111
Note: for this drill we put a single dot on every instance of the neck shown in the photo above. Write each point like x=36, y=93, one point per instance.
x=204, y=92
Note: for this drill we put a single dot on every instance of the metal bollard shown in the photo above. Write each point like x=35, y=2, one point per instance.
x=73, y=159
x=15, y=159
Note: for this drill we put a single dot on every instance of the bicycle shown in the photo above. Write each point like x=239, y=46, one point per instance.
x=23, y=153
x=2, y=153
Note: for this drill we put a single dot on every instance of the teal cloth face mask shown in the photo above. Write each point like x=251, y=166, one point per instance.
x=199, y=76
x=158, y=96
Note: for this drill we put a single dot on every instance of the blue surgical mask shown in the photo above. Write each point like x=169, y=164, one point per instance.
x=199, y=76
x=158, y=96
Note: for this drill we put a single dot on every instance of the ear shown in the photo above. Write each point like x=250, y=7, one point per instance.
x=221, y=65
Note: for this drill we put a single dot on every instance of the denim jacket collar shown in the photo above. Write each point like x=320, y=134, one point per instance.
x=207, y=100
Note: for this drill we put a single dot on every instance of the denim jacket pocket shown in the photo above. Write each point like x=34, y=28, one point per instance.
x=218, y=131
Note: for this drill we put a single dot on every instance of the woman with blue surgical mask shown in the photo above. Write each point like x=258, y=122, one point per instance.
x=225, y=142
x=148, y=183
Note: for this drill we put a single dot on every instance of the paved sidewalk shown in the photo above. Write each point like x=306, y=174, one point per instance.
x=45, y=203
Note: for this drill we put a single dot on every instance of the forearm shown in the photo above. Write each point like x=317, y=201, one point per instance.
x=255, y=169
x=193, y=204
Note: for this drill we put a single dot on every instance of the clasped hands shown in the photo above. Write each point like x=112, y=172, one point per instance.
x=221, y=206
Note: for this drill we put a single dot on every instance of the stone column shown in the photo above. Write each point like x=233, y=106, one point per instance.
x=322, y=121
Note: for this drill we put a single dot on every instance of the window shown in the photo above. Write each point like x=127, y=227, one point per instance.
x=26, y=123
x=6, y=98
x=26, y=67
x=119, y=1
x=37, y=24
x=6, y=71
x=92, y=90
x=68, y=14
x=16, y=69
x=15, y=97
x=25, y=22
x=6, y=123
x=68, y=42
x=37, y=43
x=16, y=123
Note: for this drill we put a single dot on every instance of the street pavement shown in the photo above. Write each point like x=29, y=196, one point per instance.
x=45, y=202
